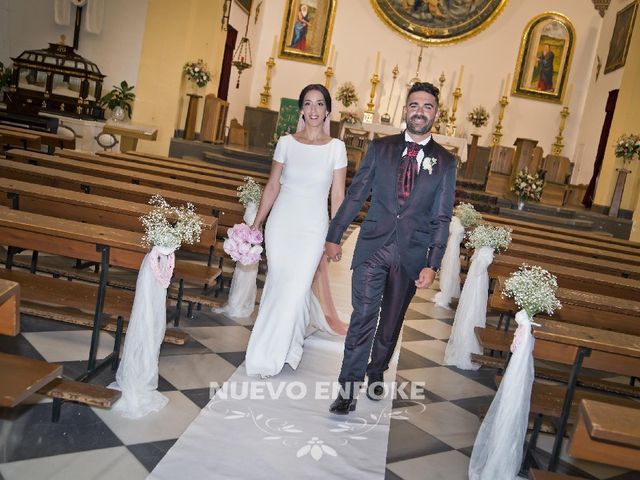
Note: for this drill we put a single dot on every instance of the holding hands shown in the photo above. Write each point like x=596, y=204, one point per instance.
x=333, y=251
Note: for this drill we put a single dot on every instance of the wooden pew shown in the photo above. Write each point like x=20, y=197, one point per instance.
x=9, y=308
x=559, y=230
x=571, y=278
x=121, y=174
x=606, y=433
x=544, y=475
x=167, y=172
x=227, y=212
x=582, y=308
x=51, y=140
x=110, y=212
x=18, y=139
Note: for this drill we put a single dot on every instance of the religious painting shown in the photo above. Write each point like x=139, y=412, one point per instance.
x=245, y=5
x=544, y=59
x=287, y=117
x=438, y=22
x=306, y=30
x=619, y=44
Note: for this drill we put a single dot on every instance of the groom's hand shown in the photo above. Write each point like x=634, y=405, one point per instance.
x=426, y=277
x=333, y=251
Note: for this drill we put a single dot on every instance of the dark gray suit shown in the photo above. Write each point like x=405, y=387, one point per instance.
x=394, y=244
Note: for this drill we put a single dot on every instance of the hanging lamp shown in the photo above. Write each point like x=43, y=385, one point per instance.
x=242, y=56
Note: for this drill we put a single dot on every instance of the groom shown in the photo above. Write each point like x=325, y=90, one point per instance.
x=402, y=239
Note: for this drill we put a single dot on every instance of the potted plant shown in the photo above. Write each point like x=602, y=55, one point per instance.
x=119, y=101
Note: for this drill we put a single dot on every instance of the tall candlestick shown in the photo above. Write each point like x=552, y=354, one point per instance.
x=460, y=76
x=265, y=96
x=507, y=86
x=568, y=97
x=377, y=63
x=556, y=148
x=275, y=45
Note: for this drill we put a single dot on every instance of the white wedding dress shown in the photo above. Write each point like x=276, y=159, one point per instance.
x=294, y=238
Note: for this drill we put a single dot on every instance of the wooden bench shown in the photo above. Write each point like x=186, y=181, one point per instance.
x=18, y=139
x=121, y=174
x=544, y=475
x=167, y=172
x=606, y=433
x=9, y=308
x=51, y=140
x=228, y=213
x=582, y=308
x=570, y=277
x=78, y=206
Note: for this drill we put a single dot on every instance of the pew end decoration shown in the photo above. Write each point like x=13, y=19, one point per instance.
x=243, y=246
x=497, y=451
x=464, y=216
x=472, y=307
x=166, y=228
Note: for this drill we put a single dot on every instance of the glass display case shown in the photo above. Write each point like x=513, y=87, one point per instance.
x=55, y=80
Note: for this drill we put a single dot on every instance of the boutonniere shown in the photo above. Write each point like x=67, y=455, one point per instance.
x=428, y=163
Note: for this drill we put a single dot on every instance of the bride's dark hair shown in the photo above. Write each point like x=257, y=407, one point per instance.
x=320, y=88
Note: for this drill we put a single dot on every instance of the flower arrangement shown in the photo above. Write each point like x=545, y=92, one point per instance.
x=533, y=289
x=243, y=244
x=250, y=192
x=350, y=117
x=467, y=214
x=527, y=186
x=498, y=238
x=167, y=226
x=478, y=116
x=628, y=146
x=347, y=94
x=197, y=72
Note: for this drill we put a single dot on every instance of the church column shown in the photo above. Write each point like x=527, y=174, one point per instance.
x=625, y=120
x=175, y=32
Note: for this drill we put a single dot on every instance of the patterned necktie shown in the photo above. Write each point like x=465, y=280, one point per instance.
x=408, y=171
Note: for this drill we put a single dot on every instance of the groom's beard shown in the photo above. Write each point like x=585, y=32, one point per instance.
x=419, y=130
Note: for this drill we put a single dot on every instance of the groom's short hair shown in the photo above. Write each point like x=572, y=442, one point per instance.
x=425, y=87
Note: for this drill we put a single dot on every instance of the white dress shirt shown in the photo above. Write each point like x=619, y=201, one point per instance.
x=420, y=156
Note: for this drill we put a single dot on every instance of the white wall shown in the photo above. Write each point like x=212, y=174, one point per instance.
x=487, y=58
x=598, y=90
x=29, y=25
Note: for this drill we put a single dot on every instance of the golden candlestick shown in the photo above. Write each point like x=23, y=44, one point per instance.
x=386, y=118
x=367, y=117
x=451, y=124
x=497, y=132
x=265, y=96
x=556, y=148
x=328, y=73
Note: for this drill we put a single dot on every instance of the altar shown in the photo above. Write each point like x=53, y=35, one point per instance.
x=456, y=145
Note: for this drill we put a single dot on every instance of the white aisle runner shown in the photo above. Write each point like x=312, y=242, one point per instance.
x=281, y=427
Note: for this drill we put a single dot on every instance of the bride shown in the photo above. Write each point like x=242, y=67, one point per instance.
x=306, y=165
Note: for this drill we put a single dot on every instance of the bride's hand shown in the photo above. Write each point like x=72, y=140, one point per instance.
x=256, y=226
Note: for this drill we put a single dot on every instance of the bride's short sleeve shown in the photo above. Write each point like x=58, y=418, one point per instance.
x=280, y=153
x=340, y=156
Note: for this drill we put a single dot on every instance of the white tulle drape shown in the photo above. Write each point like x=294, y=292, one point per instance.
x=242, y=293
x=497, y=451
x=471, y=312
x=137, y=375
x=450, y=268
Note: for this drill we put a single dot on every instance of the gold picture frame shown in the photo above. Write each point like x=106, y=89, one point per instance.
x=544, y=58
x=619, y=43
x=434, y=22
x=306, y=30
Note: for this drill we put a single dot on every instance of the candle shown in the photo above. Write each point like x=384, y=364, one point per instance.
x=333, y=51
x=335, y=59
x=377, y=63
x=275, y=44
x=569, y=91
x=460, y=76
x=507, y=86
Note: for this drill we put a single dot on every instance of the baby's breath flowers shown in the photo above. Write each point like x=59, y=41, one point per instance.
x=533, y=289
x=250, y=192
x=167, y=226
x=498, y=238
x=467, y=214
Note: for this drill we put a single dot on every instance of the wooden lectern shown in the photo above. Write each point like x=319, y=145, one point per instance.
x=214, y=119
x=522, y=158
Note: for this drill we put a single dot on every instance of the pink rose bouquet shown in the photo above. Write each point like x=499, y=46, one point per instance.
x=243, y=244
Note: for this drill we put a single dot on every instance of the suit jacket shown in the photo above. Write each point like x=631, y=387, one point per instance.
x=421, y=224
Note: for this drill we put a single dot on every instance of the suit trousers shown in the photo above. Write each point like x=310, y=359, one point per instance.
x=381, y=293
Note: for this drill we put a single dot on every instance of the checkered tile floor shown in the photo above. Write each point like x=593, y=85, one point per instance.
x=434, y=441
